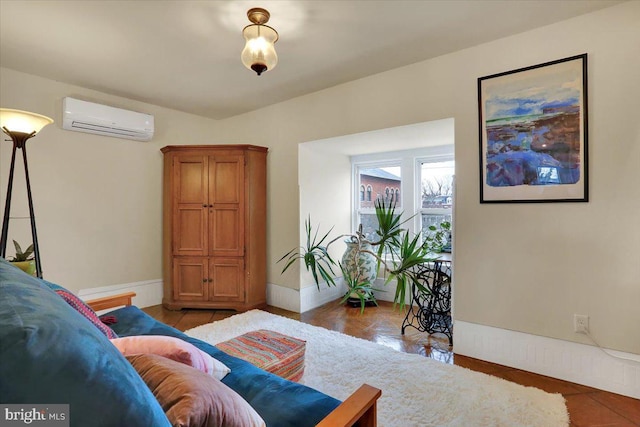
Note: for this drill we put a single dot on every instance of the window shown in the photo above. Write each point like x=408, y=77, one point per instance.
x=436, y=182
x=419, y=182
x=362, y=193
x=381, y=179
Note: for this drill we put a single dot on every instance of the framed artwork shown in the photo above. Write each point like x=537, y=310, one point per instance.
x=533, y=133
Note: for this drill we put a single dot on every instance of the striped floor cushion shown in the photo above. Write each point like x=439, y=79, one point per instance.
x=272, y=351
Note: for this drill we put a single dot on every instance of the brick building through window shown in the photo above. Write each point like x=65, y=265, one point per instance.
x=378, y=184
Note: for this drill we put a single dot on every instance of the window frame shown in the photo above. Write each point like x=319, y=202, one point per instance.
x=410, y=191
x=356, y=210
x=432, y=211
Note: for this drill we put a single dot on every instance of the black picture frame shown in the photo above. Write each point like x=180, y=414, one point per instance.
x=533, y=129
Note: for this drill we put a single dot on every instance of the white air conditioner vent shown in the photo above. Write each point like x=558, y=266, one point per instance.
x=83, y=116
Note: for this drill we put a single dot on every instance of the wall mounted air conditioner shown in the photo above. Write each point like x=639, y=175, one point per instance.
x=83, y=116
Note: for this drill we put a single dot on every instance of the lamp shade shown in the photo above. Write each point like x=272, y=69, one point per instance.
x=259, y=53
x=22, y=121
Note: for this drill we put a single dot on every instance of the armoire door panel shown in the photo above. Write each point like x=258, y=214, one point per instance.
x=226, y=237
x=227, y=279
x=190, y=230
x=226, y=179
x=191, y=179
x=191, y=279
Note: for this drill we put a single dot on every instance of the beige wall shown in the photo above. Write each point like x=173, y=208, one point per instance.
x=97, y=200
x=325, y=195
x=521, y=267
x=518, y=266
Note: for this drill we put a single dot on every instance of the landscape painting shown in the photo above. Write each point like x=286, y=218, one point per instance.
x=533, y=133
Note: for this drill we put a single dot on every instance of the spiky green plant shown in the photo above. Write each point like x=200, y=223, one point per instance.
x=397, y=252
x=389, y=229
x=20, y=255
x=315, y=255
x=357, y=288
x=410, y=255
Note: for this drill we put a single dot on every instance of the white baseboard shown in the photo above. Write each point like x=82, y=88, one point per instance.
x=283, y=297
x=148, y=292
x=566, y=360
x=308, y=298
x=301, y=300
x=388, y=292
x=311, y=297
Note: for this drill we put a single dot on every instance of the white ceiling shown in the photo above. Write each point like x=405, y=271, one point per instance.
x=185, y=54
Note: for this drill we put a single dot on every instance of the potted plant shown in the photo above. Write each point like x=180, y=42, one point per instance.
x=393, y=249
x=24, y=260
x=438, y=238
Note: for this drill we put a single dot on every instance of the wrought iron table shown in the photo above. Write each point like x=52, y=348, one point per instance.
x=431, y=311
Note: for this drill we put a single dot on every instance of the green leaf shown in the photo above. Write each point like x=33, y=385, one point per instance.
x=20, y=255
x=397, y=250
x=315, y=255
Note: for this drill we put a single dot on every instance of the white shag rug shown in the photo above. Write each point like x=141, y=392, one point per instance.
x=416, y=390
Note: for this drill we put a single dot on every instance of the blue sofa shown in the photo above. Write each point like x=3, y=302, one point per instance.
x=51, y=354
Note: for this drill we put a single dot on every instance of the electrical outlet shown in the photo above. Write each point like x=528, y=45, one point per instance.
x=580, y=323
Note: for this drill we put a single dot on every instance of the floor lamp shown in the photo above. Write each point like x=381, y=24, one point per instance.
x=20, y=126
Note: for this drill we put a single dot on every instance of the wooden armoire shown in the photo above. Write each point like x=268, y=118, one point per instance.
x=214, y=226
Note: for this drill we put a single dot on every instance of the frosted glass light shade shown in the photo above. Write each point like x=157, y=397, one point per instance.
x=259, y=53
x=22, y=121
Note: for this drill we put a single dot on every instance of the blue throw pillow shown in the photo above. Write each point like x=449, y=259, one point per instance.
x=50, y=354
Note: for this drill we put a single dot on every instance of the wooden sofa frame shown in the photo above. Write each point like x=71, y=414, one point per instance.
x=359, y=409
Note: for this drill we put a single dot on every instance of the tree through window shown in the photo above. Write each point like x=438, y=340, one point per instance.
x=436, y=193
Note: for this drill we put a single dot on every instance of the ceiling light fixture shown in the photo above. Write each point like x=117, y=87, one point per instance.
x=259, y=53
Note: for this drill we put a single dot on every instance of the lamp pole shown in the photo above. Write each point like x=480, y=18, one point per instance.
x=20, y=143
x=7, y=205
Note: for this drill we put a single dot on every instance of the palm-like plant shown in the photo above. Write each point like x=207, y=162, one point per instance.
x=358, y=288
x=20, y=255
x=395, y=251
x=315, y=255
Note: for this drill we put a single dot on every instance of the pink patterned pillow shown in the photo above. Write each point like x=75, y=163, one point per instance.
x=174, y=349
x=86, y=311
